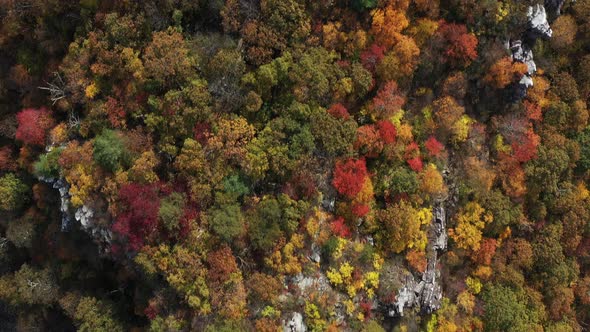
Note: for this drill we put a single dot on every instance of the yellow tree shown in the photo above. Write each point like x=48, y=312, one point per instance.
x=504, y=72
x=142, y=170
x=470, y=222
x=231, y=136
x=194, y=168
x=167, y=59
x=400, y=63
x=432, y=182
x=564, y=31
x=387, y=25
x=402, y=227
x=79, y=170
x=446, y=113
x=183, y=269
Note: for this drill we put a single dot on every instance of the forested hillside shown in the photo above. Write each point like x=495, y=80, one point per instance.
x=295, y=165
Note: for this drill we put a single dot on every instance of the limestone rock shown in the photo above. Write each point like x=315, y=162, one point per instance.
x=295, y=324
x=522, y=53
x=538, y=24
x=64, y=196
x=439, y=228
x=84, y=215
x=315, y=253
x=431, y=294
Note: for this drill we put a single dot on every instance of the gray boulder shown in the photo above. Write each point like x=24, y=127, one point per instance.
x=294, y=324
x=538, y=24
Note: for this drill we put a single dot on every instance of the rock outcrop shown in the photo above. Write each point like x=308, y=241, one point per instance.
x=295, y=324
x=84, y=214
x=522, y=53
x=425, y=294
x=64, y=196
x=439, y=228
x=538, y=27
x=538, y=24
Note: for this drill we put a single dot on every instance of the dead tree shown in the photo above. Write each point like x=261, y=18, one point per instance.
x=56, y=88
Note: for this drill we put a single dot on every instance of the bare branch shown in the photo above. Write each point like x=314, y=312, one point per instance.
x=55, y=88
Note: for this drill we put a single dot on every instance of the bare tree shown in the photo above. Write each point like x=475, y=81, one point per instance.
x=56, y=88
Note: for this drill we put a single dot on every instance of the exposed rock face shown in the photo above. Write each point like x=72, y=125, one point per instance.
x=427, y=293
x=431, y=290
x=538, y=24
x=295, y=324
x=84, y=215
x=64, y=195
x=538, y=27
x=439, y=228
x=315, y=253
x=328, y=203
x=522, y=53
x=306, y=284
x=407, y=297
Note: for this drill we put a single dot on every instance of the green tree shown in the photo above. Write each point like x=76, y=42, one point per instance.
x=110, y=151
x=510, y=310
x=274, y=218
x=227, y=221
x=505, y=212
x=13, y=192
x=169, y=323
x=334, y=136
x=95, y=315
x=48, y=165
x=362, y=5
x=171, y=210
x=583, y=139
x=396, y=180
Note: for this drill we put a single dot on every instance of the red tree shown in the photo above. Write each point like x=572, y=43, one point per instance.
x=387, y=131
x=33, y=125
x=339, y=111
x=339, y=228
x=533, y=110
x=7, y=161
x=460, y=47
x=412, y=156
x=433, y=146
x=486, y=252
x=368, y=141
x=372, y=56
x=202, y=132
x=349, y=177
x=388, y=100
x=138, y=220
x=525, y=148
x=115, y=112
x=360, y=210
x=415, y=164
